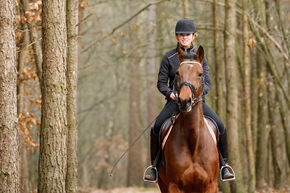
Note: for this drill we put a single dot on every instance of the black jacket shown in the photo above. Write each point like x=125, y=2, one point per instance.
x=167, y=71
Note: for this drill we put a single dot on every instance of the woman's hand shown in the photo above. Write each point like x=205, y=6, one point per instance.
x=173, y=96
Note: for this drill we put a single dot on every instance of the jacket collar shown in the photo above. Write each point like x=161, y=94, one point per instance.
x=190, y=49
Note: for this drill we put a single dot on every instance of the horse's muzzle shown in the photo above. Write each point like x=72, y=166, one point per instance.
x=184, y=105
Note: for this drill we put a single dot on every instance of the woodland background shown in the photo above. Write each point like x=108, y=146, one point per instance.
x=78, y=85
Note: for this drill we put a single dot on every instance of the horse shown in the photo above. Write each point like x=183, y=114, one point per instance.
x=190, y=154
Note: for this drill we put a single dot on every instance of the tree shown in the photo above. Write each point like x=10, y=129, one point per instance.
x=232, y=91
x=53, y=132
x=35, y=39
x=9, y=153
x=263, y=128
x=219, y=71
x=152, y=103
x=247, y=108
x=72, y=71
x=22, y=104
x=135, y=161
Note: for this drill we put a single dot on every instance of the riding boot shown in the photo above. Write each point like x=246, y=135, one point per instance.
x=154, y=152
x=226, y=174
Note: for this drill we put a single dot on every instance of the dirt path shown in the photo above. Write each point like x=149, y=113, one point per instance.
x=128, y=190
x=156, y=190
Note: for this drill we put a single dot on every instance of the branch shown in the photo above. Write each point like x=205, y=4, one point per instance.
x=136, y=14
x=269, y=59
x=277, y=45
x=123, y=23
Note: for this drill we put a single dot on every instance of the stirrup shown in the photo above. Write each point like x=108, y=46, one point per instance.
x=230, y=169
x=156, y=174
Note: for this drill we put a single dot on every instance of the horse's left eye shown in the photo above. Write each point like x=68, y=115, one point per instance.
x=200, y=74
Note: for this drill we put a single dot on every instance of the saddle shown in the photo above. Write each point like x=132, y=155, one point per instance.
x=168, y=125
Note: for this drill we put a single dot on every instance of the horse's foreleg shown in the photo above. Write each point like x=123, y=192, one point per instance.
x=173, y=188
x=162, y=186
x=213, y=188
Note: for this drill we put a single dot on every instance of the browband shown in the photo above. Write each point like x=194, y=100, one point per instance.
x=190, y=62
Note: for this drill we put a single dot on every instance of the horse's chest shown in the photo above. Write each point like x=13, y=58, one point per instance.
x=186, y=170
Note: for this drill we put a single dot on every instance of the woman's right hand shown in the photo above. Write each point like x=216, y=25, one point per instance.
x=173, y=96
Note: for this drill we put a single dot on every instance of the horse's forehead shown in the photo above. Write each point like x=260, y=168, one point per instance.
x=189, y=68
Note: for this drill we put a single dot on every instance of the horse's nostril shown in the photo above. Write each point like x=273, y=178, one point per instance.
x=188, y=101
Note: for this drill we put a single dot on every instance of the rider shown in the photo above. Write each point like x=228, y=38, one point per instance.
x=185, y=33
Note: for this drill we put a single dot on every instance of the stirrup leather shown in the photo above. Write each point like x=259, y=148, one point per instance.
x=156, y=174
x=230, y=169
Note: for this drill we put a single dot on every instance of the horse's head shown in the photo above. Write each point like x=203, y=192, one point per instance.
x=189, y=78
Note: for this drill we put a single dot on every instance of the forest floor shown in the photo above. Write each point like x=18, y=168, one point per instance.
x=156, y=190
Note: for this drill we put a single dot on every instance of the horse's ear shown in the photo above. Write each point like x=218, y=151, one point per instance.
x=200, y=54
x=180, y=53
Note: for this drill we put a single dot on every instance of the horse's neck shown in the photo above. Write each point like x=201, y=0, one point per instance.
x=194, y=118
x=193, y=124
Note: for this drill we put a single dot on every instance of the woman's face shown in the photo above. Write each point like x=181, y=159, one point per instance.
x=185, y=39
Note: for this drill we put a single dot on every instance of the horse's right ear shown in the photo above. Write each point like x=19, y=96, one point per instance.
x=200, y=54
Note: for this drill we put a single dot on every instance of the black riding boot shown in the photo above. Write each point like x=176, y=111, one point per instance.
x=154, y=152
x=223, y=147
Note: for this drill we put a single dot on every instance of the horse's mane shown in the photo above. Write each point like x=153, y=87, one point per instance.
x=189, y=56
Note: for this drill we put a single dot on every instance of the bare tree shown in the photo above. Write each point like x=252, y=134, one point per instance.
x=232, y=90
x=9, y=153
x=53, y=133
x=185, y=8
x=22, y=103
x=36, y=41
x=247, y=108
x=152, y=107
x=72, y=71
x=135, y=161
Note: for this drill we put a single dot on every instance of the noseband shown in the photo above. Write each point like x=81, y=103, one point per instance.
x=194, y=97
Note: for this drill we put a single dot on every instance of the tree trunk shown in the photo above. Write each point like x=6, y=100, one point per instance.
x=135, y=166
x=263, y=129
x=219, y=73
x=254, y=97
x=219, y=67
x=232, y=91
x=247, y=98
x=185, y=9
x=36, y=40
x=284, y=111
x=152, y=103
x=72, y=71
x=273, y=114
x=53, y=133
x=9, y=153
x=22, y=106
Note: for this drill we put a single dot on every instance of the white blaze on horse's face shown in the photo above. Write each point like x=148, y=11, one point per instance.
x=189, y=71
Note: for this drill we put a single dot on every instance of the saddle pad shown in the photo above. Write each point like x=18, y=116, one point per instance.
x=166, y=130
x=212, y=128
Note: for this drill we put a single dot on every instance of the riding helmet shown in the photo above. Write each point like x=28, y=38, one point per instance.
x=185, y=26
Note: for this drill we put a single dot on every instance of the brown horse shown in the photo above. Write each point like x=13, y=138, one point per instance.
x=190, y=154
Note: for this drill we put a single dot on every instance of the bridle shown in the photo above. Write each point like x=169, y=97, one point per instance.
x=194, y=98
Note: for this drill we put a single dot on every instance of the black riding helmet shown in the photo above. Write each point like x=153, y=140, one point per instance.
x=185, y=26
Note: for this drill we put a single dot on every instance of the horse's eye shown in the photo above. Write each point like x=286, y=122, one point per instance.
x=200, y=74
